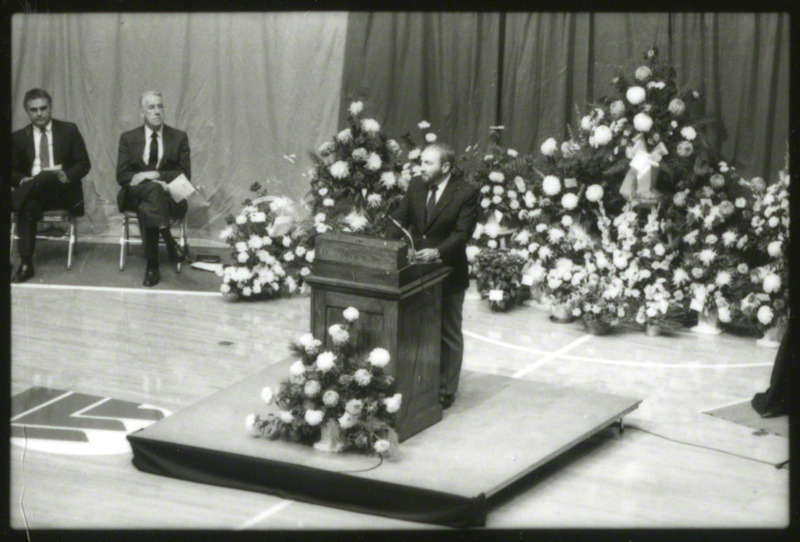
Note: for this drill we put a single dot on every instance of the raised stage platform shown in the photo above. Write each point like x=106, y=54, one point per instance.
x=499, y=430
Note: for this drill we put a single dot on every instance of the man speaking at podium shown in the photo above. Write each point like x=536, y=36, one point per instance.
x=440, y=211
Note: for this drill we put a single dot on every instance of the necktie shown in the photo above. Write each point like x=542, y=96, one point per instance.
x=152, y=160
x=431, y=203
x=44, y=151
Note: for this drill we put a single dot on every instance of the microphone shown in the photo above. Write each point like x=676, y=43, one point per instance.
x=408, y=235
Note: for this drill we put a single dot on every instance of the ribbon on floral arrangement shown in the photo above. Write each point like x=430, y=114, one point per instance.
x=640, y=181
x=698, y=302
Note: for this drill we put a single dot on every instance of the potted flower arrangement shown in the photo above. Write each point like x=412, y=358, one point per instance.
x=498, y=276
x=271, y=257
x=597, y=292
x=336, y=400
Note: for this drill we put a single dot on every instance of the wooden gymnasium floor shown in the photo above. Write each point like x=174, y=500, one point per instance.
x=171, y=349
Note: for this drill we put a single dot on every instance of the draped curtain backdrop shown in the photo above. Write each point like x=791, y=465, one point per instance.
x=248, y=88
x=254, y=89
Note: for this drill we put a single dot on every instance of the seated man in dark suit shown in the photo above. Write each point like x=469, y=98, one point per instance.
x=440, y=211
x=150, y=157
x=48, y=162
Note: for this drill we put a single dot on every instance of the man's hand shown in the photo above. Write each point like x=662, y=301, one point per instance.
x=63, y=177
x=427, y=254
x=25, y=180
x=143, y=176
x=162, y=183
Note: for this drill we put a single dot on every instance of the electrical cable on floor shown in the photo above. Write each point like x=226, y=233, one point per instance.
x=380, y=462
x=776, y=465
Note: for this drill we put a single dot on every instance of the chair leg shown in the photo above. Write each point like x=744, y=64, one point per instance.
x=182, y=242
x=73, y=238
x=123, y=243
x=13, y=234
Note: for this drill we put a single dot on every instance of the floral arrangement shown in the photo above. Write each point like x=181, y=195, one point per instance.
x=270, y=253
x=498, y=275
x=767, y=303
x=336, y=400
x=357, y=178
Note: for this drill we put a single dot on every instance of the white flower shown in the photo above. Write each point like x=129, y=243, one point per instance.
x=496, y=177
x=594, y=192
x=266, y=395
x=680, y=276
x=485, y=202
x=326, y=361
x=310, y=256
x=381, y=446
x=356, y=220
x=586, y=123
x=707, y=256
x=346, y=421
x=551, y=185
x=711, y=239
x=351, y=314
x=569, y=201
x=227, y=232
x=345, y=135
x=356, y=108
x=496, y=200
x=775, y=249
x=370, y=125
x=374, y=200
x=340, y=169
x=723, y=279
x=498, y=190
x=241, y=219
x=724, y=314
x=424, y=125
x=635, y=95
x=512, y=153
x=659, y=249
x=413, y=154
x=728, y=238
x=314, y=417
x=374, y=162
x=362, y=377
x=297, y=368
x=642, y=122
x=472, y=252
x=258, y=217
x=286, y=241
x=393, y=403
x=688, y=133
x=242, y=257
x=241, y=246
x=773, y=221
x=379, y=357
x=325, y=148
x=549, y=147
x=388, y=179
x=255, y=242
x=617, y=109
x=566, y=220
x=643, y=73
x=430, y=137
x=772, y=283
x=765, y=314
x=602, y=135
x=338, y=334
x=311, y=388
x=250, y=425
x=330, y=398
x=491, y=243
x=676, y=107
x=684, y=149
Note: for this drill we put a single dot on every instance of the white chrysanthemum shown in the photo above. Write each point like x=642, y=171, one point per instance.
x=310, y=256
x=314, y=417
x=617, y=109
x=379, y=357
x=602, y=135
x=356, y=220
x=430, y=137
x=423, y=125
x=684, y=149
x=555, y=234
x=227, y=232
x=255, y=242
x=356, y=108
x=340, y=169
x=707, y=255
x=566, y=221
x=345, y=135
x=413, y=154
x=370, y=125
x=241, y=219
x=569, y=201
x=728, y=238
x=635, y=95
x=362, y=377
x=772, y=283
x=551, y=185
x=472, y=252
x=775, y=249
x=492, y=229
x=594, y=192
x=374, y=200
x=297, y=368
x=688, y=133
x=242, y=257
x=374, y=162
x=676, y=106
x=258, y=217
x=512, y=153
x=549, y=147
x=241, y=246
x=723, y=278
x=393, y=403
x=643, y=73
x=485, y=202
x=381, y=446
x=312, y=388
x=325, y=148
x=765, y=314
x=642, y=122
x=338, y=334
x=326, y=361
x=496, y=200
x=267, y=395
x=351, y=314
x=250, y=424
x=330, y=398
x=496, y=177
x=346, y=421
x=388, y=179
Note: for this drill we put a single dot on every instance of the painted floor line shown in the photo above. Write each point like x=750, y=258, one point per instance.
x=736, y=402
x=549, y=357
x=686, y=365
x=39, y=407
x=275, y=508
x=114, y=289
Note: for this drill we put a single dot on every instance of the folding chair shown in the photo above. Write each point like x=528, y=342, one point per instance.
x=126, y=240
x=60, y=217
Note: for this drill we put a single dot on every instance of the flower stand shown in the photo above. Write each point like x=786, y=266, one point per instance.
x=772, y=336
x=707, y=323
x=652, y=330
x=597, y=327
x=330, y=439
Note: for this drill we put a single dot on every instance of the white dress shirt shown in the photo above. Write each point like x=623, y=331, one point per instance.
x=147, y=133
x=37, y=137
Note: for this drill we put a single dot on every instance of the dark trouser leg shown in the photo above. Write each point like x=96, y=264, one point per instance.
x=152, y=210
x=452, y=342
x=27, y=218
x=45, y=192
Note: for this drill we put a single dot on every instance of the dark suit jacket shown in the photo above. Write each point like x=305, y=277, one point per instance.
x=454, y=219
x=69, y=151
x=176, y=159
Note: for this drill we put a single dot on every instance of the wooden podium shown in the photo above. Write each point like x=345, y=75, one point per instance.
x=400, y=305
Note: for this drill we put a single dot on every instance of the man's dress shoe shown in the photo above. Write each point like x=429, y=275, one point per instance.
x=24, y=272
x=151, y=277
x=446, y=400
x=177, y=254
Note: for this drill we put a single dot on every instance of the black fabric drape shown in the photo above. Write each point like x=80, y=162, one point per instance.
x=439, y=67
x=777, y=399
